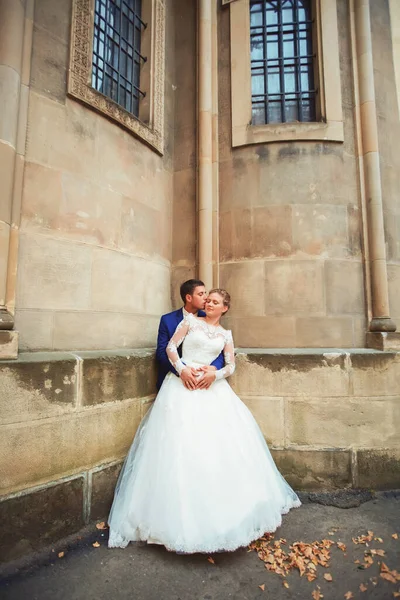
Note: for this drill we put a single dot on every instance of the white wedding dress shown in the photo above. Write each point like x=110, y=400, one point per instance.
x=199, y=476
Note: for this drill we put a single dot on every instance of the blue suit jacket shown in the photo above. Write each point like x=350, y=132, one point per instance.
x=166, y=330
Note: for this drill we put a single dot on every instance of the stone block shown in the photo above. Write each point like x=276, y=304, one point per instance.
x=7, y=161
x=133, y=284
x=379, y=469
x=293, y=287
x=375, y=373
x=45, y=450
x=383, y=341
x=49, y=64
x=53, y=274
x=324, y=332
x=93, y=330
x=320, y=230
x=245, y=282
x=272, y=231
x=269, y=414
x=104, y=481
x=54, y=17
x=180, y=273
x=394, y=288
x=37, y=386
x=264, y=332
x=117, y=377
x=35, y=329
x=8, y=345
x=343, y=422
x=42, y=197
x=288, y=374
x=344, y=287
x=143, y=229
x=239, y=183
x=313, y=470
x=40, y=517
x=235, y=235
x=9, y=99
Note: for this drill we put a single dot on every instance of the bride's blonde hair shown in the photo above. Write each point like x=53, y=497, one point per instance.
x=226, y=299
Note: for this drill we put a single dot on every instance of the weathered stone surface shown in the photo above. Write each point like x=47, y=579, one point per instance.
x=314, y=469
x=37, y=386
x=35, y=329
x=48, y=449
x=379, y=469
x=263, y=332
x=285, y=373
x=103, y=487
x=325, y=332
x=320, y=229
x=40, y=517
x=8, y=345
x=246, y=279
x=117, y=377
x=269, y=414
x=383, y=341
x=49, y=64
x=343, y=297
x=376, y=373
x=343, y=422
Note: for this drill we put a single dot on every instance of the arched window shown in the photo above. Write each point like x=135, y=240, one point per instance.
x=282, y=61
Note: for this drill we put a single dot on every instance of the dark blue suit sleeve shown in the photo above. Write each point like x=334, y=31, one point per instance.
x=219, y=362
x=162, y=343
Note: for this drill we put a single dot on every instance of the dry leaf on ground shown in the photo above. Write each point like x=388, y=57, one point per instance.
x=363, y=587
x=96, y=545
x=262, y=587
x=349, y=595
x=211, y=560
x=286, y=585
x=341, y=546
x=316, y=595
x=101, y=525
x=395, y=536
x=396, y=594
x=61, y=554
x=328, y=577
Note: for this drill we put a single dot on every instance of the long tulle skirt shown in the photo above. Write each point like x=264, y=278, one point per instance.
x=199, y=476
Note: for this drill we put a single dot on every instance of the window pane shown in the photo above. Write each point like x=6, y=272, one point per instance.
x=116, y=51
x=282, y=61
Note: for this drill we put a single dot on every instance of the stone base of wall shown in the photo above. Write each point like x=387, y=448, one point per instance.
x=331, y=418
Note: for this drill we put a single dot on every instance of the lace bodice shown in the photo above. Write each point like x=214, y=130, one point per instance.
x=202, y=344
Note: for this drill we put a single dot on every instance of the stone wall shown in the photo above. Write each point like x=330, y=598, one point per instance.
x=331, y=419
x=290, y=228
x=96, y=211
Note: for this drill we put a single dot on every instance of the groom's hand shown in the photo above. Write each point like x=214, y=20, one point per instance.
x=189, y=377
x=208, y=377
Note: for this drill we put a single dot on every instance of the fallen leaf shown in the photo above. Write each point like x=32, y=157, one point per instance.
x=363, y=587
x=378, y=552
x=328, y=577
x=331, y=533
x=211, y=560
x=388, y=577
x=395, y=537
x=349, y=595
x=101, y=525
x=262, y=587
x=286, y=585
x=96, y=545
x=378, y=539
x=384, y=567
x=61, y=554
x=396, y=594
x=374, y=580
x=317, y=594
x=341, y=546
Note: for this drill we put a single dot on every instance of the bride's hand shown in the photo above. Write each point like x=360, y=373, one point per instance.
x=189, y=377
x=209, y=374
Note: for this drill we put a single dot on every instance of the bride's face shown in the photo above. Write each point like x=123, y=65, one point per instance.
x=215, y=306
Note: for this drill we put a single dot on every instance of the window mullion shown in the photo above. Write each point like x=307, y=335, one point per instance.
x=281, y=61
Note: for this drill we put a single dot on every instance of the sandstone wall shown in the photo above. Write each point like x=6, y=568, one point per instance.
x=95, y=241
x=290, y=228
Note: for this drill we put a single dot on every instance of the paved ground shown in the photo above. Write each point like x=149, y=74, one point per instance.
x=143, y=572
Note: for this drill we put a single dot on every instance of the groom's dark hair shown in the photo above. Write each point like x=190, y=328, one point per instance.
x=188, y=287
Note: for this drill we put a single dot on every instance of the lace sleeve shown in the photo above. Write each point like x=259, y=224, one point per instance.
x=229, y=356
x=175, y=342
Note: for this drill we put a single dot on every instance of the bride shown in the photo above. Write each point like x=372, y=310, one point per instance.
x=199, y=476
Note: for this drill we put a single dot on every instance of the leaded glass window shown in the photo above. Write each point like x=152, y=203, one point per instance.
x=116, y=51
x=282, y=61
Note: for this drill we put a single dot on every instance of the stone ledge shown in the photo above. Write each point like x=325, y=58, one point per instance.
x=8, y=345
x=383, y=340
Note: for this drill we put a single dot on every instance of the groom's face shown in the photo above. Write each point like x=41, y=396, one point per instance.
x=199, y=297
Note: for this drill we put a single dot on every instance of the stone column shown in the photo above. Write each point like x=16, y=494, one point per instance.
x=16, y=24
x=381, y=321
x=205, y=145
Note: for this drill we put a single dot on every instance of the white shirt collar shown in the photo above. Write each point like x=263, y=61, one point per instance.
x=186, y=313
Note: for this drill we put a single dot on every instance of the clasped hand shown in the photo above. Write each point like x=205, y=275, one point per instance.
x=199, y=378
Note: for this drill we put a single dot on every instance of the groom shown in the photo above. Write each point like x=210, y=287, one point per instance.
x=193, y=294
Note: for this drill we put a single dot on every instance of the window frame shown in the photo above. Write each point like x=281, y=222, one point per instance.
x=329, y=99
x=149, y=126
